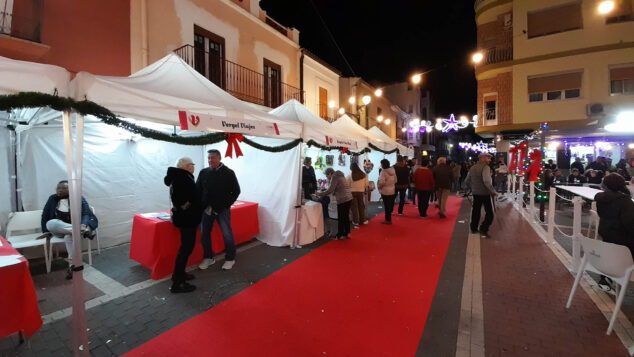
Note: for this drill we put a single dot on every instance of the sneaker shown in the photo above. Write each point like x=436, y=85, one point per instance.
x=346, y=237
x=423, y=215
x=182, y=287
x=366, y=222
x=442, y=215
x=69, y=273
x=189, y=277
x=206, y=263
x=228, y=264
x=484, y=234
x=400, y=213
x=604, y=284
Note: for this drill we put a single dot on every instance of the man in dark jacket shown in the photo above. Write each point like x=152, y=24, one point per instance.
x=56, y=219
x=577, y=165
x=616, y=212
x=443, y=177
x=219, y=188
x=186, y=215
x=402, y=181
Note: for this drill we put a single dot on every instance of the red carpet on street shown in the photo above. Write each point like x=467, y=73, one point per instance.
x=367, y=296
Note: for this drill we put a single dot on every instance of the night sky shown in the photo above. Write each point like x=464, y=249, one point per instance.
x=386, y=41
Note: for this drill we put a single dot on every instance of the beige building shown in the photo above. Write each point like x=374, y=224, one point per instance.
x=407, y=98
x=378, y=112
x=232, y=42
x=555, y=61
x=320, y=83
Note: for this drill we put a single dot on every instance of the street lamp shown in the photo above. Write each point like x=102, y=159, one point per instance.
x=379, y=118
x=331, y=104
x=378, y=92
x=605, y=7
x=477, y=57
x=351, y=100
x=387, y=121
x=417, y=78
x=341, y=111
x=366, y=99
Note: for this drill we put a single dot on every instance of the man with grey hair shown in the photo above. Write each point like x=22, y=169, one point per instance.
x=480, y=182
x=219, y=188
x=443, y=177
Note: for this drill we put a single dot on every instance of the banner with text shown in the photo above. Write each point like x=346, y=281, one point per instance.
x=204, y=122
x=346, y=143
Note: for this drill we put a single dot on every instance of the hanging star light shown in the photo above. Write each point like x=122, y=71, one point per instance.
x=451, y=124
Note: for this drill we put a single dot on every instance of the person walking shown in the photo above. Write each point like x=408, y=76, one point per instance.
x=219, y=189
x=479, y=181
x=340, y=188
x=358, y=182
x=456, y=167
x=402, y=182
x=443, y=177
x=186, y=216
x=424, y=182
x=387, y=189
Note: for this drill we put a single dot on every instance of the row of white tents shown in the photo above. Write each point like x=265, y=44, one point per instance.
x=123, y=172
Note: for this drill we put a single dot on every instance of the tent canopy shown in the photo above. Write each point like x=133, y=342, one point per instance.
x=347, y=125
x=401, y=148
x=315, y=128
x=157, y=92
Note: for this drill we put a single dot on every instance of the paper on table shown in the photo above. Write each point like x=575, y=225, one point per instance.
x=160, y=215
x=6, y=260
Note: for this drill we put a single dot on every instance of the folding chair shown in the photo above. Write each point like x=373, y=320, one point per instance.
x=23, y=228
x=612, y=260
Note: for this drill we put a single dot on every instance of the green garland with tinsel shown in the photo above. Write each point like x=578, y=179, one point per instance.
x=339, y=148
x=34, y=100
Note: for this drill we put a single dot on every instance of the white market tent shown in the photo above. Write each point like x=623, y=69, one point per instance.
x=405, y=151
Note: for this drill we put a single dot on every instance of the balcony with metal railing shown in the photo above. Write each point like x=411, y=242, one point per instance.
x=497, y=55
x=20, y=27
x=239, y=81
x=326, y=113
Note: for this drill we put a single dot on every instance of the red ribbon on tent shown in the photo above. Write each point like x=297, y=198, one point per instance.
x=522, y=150
x=536, y=165
x=232, y=141
x=513, y=164
x=344, y=150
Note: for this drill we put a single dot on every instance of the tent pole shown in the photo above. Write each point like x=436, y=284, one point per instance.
x=74, y=155
x=298, y=206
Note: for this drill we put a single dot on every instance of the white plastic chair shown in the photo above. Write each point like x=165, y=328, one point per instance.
x=23, y=228
x=612, y=260
x=56, y=240
x=594, y=221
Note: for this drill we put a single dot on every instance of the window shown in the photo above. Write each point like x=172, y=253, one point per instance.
x=556, y=95
x=557, y=19
x=536, y=97
x=272, y=84
x=554, y=87
x=622, y=80
x=490, y=109
x=209, y=54
x=323, y=103
x=379, y=111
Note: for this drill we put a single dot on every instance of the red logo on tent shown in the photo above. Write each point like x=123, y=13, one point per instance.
x=195, y=119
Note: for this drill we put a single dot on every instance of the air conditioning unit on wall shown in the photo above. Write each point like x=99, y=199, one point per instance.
x=596, y=109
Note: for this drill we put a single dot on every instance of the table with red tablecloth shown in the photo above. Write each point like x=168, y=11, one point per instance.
x=155, y=242
x=18, y=300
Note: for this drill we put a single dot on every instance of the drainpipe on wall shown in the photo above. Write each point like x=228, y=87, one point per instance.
x=144, y=35
x=301, y=77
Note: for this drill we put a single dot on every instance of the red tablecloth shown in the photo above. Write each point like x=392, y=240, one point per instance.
x=155, y=242
x=18, y=300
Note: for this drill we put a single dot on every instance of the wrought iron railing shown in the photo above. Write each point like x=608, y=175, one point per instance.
x=497, y=55
x=490, y=114
x=326, y=112
x=19, y=26
x=239, y=81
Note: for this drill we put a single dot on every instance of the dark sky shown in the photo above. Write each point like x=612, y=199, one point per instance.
x=387, y=41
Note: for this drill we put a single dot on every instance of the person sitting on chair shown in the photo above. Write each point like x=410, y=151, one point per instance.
x=56, y=219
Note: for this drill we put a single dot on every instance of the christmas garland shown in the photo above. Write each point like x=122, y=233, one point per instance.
x=34, y=100
x=340, y=148
x=373, y=147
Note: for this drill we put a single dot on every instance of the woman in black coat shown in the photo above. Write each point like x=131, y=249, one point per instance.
x=186, y=215
x=616, y=212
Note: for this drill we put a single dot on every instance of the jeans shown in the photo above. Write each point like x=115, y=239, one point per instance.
x=358, y=208
x=423, y=202
x=188, y=239
x=343, y=216
x=411, y=194
x=456, y=184
x=442, y=194
x=224, y=221
x=401, y=199
x=388, y=206
x=478, y=201
x=61, y=229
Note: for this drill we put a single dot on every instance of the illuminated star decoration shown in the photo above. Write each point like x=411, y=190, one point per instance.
x=451, y=124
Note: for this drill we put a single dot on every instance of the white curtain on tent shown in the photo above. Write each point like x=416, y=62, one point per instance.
x=123, y=177
x=6, y=194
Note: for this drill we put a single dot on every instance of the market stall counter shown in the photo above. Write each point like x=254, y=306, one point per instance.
x=155, y=240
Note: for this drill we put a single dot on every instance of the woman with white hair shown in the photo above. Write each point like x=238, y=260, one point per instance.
x=186, y=216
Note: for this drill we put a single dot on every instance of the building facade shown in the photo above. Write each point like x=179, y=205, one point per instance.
x=320, y=83
x=378, y=112
x=555, y=61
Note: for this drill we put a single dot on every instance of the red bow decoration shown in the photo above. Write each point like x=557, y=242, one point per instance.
x=522, y=150
x=513, y=164
x=232, y=141
x=536, y=165
x=344, y=150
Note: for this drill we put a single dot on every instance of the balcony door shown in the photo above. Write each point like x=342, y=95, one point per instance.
x=272, y=84
x=209, y=55
x=323, y=103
